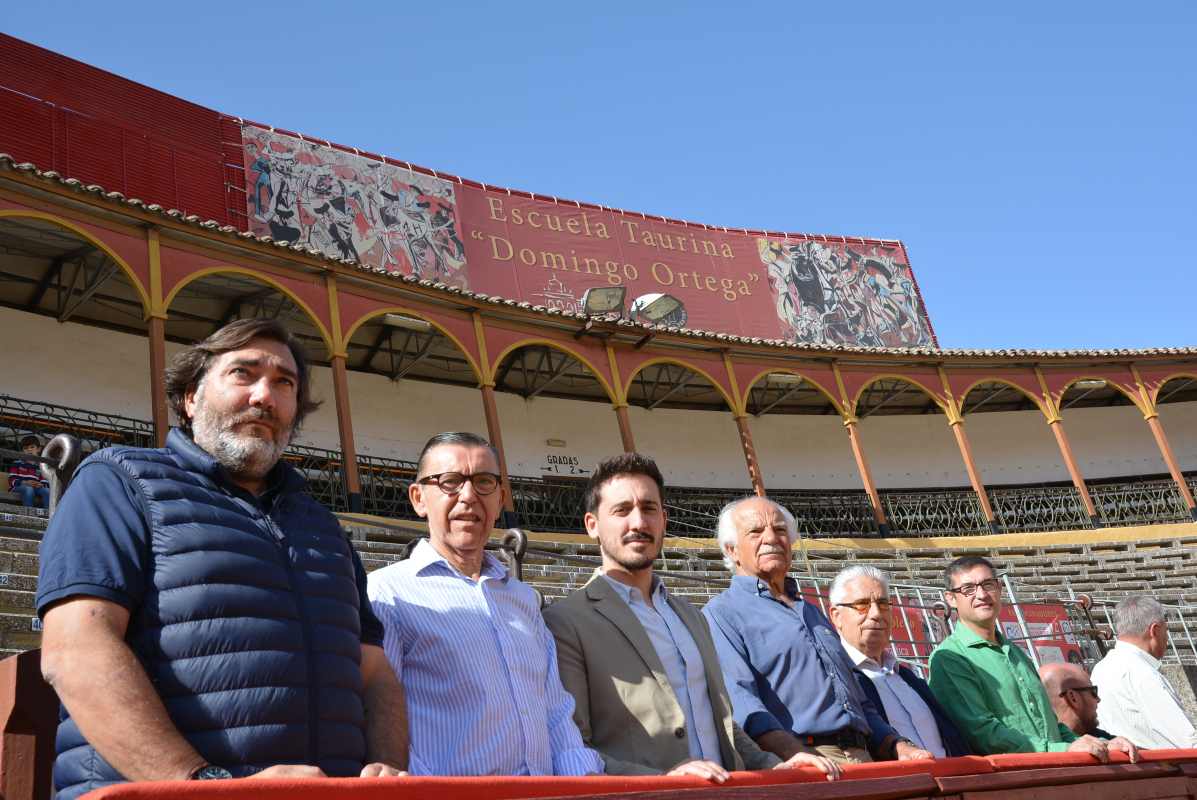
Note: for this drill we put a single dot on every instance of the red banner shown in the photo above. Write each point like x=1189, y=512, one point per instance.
x=549, y=253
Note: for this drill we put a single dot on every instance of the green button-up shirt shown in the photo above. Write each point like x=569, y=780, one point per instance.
x=993, y=694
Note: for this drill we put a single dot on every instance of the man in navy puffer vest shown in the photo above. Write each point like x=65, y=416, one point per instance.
x=204, y=617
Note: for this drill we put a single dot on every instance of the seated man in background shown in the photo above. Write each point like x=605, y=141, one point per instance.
x=467, y=638
x=639, y=660
x=988, y=686
x=861, y=612
x=25, y=477
x=187, y=593
x=1138, y=702
x=1074, y=698
x=791, y=683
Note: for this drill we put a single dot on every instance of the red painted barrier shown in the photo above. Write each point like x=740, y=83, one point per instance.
x=1030, y=776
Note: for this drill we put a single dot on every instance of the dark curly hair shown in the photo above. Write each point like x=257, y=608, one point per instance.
x=188, y=368
x=622, y=464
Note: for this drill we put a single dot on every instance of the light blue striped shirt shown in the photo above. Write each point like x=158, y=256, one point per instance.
x=682, y=661
x=480, y=671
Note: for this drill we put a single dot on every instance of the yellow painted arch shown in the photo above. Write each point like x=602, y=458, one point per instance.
x=1137, y=402
x=410, y=312
x=511, y=348
x=74, y=228
x=756, y=378
x=905, y=379
x=665, y=360
x=1155, y=394
x=260, y=278
x=1038, y=401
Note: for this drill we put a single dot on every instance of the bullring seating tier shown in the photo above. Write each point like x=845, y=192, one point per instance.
x=1104, y=563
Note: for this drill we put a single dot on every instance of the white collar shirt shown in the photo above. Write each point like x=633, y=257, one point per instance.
x=1138, y=702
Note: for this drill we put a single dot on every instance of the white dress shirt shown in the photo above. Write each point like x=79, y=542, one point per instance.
x=1138, y=702
x=908, y=713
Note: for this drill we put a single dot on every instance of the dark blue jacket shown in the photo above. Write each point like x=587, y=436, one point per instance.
x=246, y=613
x=953, y=743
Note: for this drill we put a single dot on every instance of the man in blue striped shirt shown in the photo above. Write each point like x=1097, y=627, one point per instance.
x=479, y=667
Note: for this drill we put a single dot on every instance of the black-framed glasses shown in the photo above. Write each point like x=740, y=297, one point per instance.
x=453, y=482
x=990, y=585
x=863, y=605
x=1090, y=689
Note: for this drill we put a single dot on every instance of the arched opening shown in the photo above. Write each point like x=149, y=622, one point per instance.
x=671, y=384
x=75, y=357
x=400, y=344
x=408, y=379
x=805, y=458
x=557, y=424
x=915, y=460
x=1027, y=481
x=1117, y=454
x=1176, y=402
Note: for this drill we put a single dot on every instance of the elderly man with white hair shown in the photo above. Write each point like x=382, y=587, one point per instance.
x=863, y=614
x=1137, y=701
x=791, y=683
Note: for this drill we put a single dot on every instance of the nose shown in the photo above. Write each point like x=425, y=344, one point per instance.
x=262, y=394
x=467, y=493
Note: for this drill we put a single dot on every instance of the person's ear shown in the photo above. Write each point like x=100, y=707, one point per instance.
x=415, y=493
x=591, y=522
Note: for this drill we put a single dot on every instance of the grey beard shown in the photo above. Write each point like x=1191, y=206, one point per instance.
x=243, y=456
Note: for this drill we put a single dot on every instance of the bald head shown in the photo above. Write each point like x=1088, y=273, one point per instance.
x=1073, y=696
x=1058, y=677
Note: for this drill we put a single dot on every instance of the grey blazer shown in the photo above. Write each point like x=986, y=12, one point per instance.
x=625, y=706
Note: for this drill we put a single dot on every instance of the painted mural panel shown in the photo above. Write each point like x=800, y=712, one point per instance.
x=347, y=206
x=550, y=253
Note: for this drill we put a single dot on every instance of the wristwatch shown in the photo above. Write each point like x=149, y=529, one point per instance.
x=211, y=772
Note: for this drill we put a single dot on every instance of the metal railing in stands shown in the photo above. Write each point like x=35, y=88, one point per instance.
x=555, y=504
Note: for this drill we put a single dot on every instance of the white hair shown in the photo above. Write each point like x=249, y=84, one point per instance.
x=727, y=531
x=1135, y=613
x=839, y=586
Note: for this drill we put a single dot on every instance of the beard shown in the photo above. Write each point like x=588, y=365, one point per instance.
x=243, y=456
x=631, y=560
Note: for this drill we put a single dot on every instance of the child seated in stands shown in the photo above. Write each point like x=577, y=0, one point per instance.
x=24, y=477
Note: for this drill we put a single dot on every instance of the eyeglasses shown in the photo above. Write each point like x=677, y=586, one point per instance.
x=863, y=605
x=1090, y=689
x=990, y=585
x=453, y=482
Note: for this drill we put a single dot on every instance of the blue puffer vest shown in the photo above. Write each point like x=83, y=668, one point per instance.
x=249, y=627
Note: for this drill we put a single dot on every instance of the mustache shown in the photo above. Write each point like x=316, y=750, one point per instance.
x=254, y=415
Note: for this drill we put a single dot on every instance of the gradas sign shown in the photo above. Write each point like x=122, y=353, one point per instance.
x=566, y=465
x=491, y=241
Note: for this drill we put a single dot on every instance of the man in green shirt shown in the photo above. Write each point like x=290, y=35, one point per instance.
x=988, y=686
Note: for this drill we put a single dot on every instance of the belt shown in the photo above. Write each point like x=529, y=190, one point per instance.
x=848, y=737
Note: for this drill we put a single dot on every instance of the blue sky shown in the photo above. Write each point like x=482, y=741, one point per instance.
x=1036, y=158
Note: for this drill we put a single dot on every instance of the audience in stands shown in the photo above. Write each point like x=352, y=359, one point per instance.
x=791, y=683
x=188, y=593
x=861, y=611
x=1074, y=698
x=988, y=685
x=25, y=477
x=466, y=637
x=638, y=660
x=1138, y=701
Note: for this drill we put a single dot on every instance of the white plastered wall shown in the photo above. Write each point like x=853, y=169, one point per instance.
x=86, y=367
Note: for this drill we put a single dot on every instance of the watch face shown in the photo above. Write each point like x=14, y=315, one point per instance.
x=211, y=773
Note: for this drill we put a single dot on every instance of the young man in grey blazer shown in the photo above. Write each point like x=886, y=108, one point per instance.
x=640, y=663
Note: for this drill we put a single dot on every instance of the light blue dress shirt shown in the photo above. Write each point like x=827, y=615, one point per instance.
x=682, y=661
x=480, y=671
